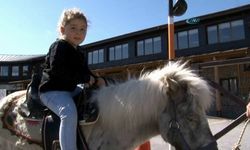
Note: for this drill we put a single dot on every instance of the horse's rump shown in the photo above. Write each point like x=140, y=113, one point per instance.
x=22, y=128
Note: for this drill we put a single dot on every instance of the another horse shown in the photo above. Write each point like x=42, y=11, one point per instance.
x=170, y=101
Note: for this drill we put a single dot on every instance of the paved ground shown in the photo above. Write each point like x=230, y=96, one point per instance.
x=224, y=143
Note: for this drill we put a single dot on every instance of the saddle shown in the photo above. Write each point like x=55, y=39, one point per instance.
x=33, y=108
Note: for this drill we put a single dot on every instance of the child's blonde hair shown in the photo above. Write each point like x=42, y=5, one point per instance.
x=68, y=15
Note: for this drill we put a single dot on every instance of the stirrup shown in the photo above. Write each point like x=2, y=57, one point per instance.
x=88, y=122
x=89, y=119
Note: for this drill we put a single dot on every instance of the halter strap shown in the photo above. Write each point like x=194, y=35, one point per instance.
x=174, y=128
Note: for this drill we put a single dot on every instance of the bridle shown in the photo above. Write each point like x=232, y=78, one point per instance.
x=175, y=132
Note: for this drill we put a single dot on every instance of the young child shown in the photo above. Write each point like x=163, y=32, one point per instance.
x=65, y=67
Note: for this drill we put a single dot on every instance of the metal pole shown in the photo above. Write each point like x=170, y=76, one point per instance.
x=171, y=52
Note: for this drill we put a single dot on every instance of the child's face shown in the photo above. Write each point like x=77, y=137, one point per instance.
x=74, y=32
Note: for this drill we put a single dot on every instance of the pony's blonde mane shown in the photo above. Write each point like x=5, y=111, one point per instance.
x=137, y=99
x=180, y=71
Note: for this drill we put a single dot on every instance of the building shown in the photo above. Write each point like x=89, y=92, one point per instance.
x=217, y=44
x=16, y=71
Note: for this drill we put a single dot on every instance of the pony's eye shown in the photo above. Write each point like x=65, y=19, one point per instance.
x=192, y=118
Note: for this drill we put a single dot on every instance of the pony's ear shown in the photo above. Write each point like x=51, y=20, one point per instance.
x=170, y=85
x=175, y=90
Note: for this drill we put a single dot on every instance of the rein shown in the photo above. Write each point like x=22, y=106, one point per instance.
x=235, y=123
x=174, y=127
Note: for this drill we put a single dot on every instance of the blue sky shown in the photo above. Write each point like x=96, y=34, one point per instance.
x=28, y=27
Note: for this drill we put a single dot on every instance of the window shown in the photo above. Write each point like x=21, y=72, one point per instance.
x=15, y=71
x=96, y=56
x=226, y=32
x=4, y=71
x=238, y=32
x=118, y=52
x=193, y=38
x=125, y=51
x=90, y=54
x=212, y=34
x=175, y=41
x=25, y=70
x=230, y=84
x=149, y=46
x=157, y=44
x=187, y=39
x=182, y=40
x=140, y=48
x=111, y=53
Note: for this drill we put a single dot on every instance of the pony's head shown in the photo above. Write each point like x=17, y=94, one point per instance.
x=183, y=120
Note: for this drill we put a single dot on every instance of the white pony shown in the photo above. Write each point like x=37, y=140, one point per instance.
x=170, y=101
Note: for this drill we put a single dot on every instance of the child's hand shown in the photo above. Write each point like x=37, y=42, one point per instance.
x=248, y=110
x=92, y=80
x=100, y=82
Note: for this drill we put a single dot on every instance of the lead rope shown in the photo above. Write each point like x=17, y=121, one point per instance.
x=237, y=145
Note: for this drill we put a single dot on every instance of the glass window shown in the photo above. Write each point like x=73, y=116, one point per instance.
x=193, y=38
x=157, y=45
x=225, y=84
x=140, y=48
x=230, y=84
x=175, y=41
x=125, y=51
x=187, y=39
x=212, y=35
x=101, y=56
x=25, y=70
x=111, y=53
x=95, y=57
x=118, y=52
x=90, y=57
x=238, y=32
x=4, y=71
x=233, y=85
x=148, y=46
x=183, y=40
x=224, y=32
x=15, y=71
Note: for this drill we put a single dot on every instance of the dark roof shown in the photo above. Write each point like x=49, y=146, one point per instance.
x=16, y=58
